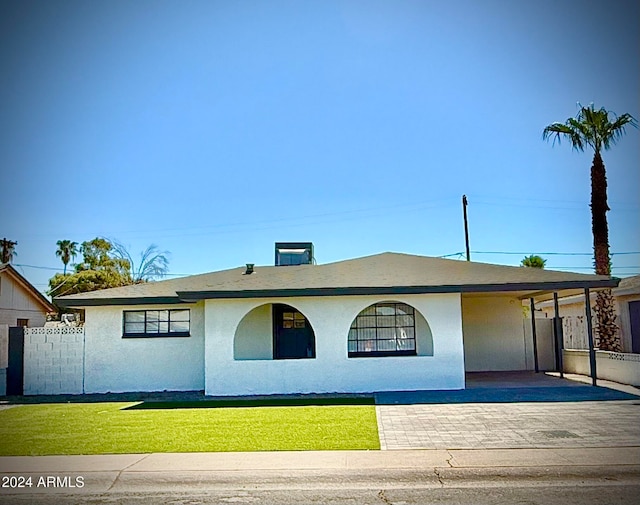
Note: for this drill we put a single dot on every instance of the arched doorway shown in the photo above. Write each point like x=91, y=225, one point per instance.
x=274, y=331
x=293, y=336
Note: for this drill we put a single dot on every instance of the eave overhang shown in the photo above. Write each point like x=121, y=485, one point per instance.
x=537, y=287
x=532, y=289
x=141, y=300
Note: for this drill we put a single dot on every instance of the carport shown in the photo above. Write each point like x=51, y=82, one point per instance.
x=557, y=322
x=496, y=336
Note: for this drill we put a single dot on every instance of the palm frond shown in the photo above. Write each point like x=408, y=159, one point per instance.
x=591, y=127
x=153, y=263
x=618, y=128
x=558, y=131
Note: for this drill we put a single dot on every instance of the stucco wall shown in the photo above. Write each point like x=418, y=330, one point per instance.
x=332, y=370
x=618, y=367
x=576, y=308
x=254, y=335
x=494, y=337
x=116, y=364
x=17, y=303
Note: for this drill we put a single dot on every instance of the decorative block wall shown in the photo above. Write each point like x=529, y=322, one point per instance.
x=53, y=361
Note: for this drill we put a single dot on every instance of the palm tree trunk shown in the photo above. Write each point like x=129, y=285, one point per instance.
x=606, y=326
x=599, y=210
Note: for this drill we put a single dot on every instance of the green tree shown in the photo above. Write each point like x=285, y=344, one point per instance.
x=598, y=130
x=533, y=261
x=153, y=265
x=107, y=264
x=67, y=250
x=98, y=255
x=100, y=269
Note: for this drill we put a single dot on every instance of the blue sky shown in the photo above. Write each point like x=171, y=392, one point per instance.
x=216, y=128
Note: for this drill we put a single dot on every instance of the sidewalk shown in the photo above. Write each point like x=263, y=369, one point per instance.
x=270, y=470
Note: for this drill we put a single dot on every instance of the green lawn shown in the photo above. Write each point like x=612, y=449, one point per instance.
x=111, y=428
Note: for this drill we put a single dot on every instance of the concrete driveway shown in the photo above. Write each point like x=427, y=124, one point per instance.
x=510, y=411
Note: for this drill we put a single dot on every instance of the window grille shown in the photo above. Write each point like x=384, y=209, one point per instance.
x=156, y=323
x=383, y=329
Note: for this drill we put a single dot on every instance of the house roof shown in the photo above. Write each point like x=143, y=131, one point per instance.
x=39, y=298
x=386, y=273
x=628, y=286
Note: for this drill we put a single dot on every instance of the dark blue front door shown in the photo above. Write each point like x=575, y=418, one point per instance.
x=293, y=335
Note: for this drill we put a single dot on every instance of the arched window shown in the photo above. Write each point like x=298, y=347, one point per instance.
x=383, y=329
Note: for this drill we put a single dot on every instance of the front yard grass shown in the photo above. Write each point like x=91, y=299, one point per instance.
x=107, y=428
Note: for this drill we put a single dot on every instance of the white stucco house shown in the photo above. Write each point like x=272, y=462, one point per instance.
x=378, y=323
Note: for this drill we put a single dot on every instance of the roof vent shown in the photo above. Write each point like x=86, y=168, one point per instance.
x=249, y=269
x=294, y=253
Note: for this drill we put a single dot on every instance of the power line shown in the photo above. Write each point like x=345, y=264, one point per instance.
x=500, y=200
x=62, y=270
x=301, y=220
x=554, y=253
x=591, y=268
x=461, y=253
x=38, y=267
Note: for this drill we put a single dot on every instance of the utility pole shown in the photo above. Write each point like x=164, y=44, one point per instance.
x=8, y=247
x=466, y=226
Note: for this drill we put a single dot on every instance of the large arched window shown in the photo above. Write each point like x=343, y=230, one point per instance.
x=384, y=329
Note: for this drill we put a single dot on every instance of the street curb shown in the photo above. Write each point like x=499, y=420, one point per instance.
x=91, y=475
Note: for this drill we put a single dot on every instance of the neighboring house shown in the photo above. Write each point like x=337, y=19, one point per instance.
x=21, y=304
x=627, y=304
x=627, y=296
x=378, y=323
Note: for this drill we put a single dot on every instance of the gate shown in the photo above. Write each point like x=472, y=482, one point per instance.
x=15, y=370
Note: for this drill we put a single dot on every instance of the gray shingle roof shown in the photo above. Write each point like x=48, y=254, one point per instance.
x=385, y=273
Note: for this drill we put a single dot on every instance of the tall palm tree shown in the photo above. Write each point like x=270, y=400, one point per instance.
x=599, y=130
x=66, y=251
